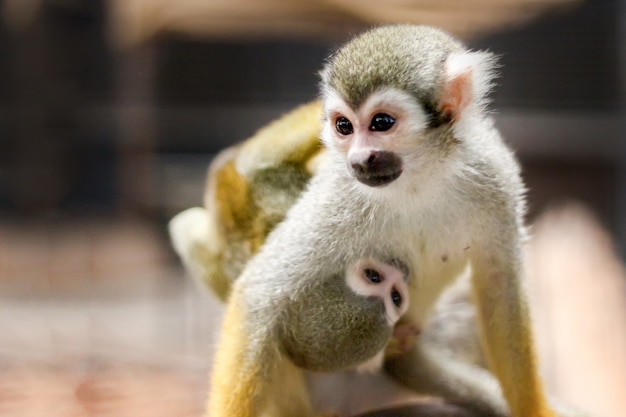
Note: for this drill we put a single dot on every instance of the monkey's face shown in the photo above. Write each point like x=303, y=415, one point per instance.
x=392, y=98
x=379, y=137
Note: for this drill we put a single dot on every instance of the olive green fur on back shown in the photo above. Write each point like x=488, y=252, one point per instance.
x=354, y=327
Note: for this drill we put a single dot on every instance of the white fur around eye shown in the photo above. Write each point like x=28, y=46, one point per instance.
x=411, y=119
x=334, y=105
x=408, y=112
x=404, y=107
x=392, y=280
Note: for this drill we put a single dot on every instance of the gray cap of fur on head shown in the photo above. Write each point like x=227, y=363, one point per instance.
x=406, y=57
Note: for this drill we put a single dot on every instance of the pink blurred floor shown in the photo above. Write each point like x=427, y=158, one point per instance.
x=97, y=319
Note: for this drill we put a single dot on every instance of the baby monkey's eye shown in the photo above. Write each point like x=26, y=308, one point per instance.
x=396, y=298
x=373, y=276
x=382, y=122
x=343, y=126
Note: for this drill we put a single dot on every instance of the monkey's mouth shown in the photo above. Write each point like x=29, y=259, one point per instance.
x=377, y=168
x=377, y=180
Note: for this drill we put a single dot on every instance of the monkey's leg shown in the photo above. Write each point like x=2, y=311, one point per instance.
x=427, y=370
x=294, y=139
x=199, y=244
x=250, y=377
x=506, y=333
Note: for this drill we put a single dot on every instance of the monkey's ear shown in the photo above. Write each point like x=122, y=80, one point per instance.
x=468, y=78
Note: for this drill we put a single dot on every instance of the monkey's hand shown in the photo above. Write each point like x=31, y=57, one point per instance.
x=403, y=338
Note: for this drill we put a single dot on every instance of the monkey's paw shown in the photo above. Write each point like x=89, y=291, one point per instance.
x=403, y=338
x=188, y=228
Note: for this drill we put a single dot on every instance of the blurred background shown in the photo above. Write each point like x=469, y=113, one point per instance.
x=111, y=110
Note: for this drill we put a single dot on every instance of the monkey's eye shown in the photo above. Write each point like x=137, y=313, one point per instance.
x=382, y=122
x=343, y=126
x=396, y=297
x=373, y=276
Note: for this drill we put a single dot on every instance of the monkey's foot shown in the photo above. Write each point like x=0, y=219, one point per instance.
x=403, y=338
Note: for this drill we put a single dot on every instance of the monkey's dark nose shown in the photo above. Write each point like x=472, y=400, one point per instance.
x=378, y=169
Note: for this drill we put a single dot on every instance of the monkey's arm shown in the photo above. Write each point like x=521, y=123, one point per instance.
x=427, y=370
x=293, y=139
x=506, y=331
x=249, y=189
x=250, y=376
x=508, y=346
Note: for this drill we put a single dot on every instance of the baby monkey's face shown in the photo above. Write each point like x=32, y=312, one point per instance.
x=387, y=282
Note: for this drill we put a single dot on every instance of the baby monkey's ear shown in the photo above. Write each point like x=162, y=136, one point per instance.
x=467, y=79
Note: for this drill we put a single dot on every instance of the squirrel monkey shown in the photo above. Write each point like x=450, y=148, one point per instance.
x=416, y=188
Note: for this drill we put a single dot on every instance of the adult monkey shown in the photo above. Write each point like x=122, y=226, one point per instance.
x=419, y=186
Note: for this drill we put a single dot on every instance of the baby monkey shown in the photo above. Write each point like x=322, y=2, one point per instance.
x=416, y=188
x=377, y=292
